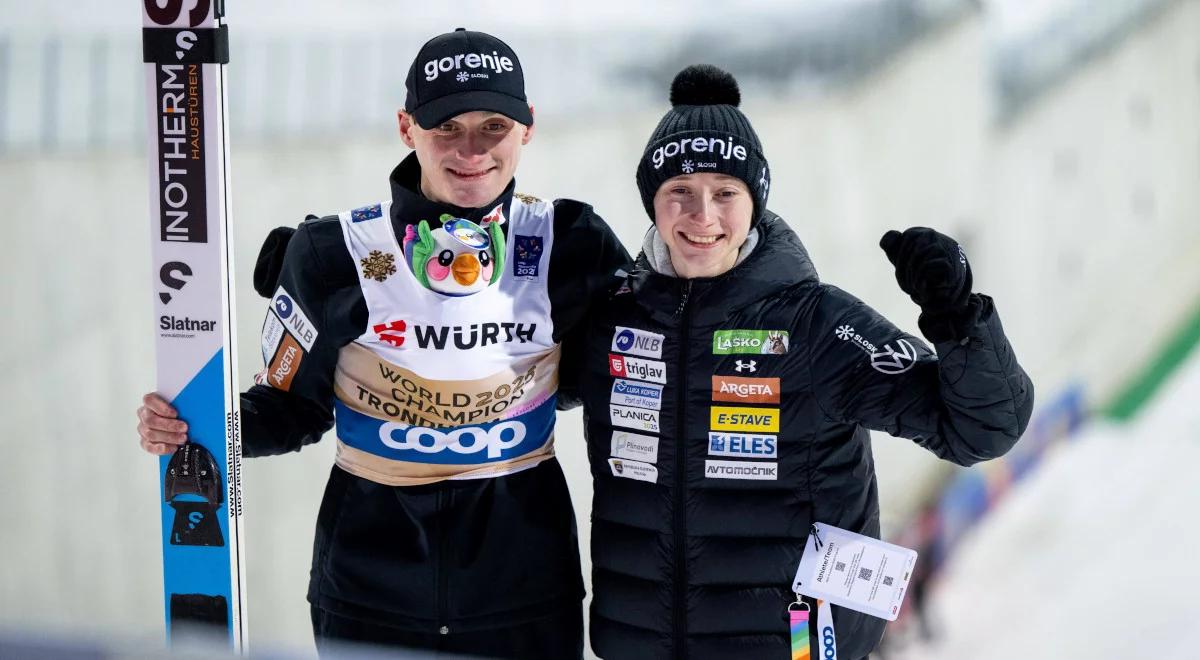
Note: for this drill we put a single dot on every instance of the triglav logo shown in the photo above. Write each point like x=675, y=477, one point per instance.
x=495, y=62
x=725, y=148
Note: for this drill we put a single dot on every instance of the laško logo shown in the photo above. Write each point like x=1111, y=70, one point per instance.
x=725, y=148
x=463, y=337
x=495, y=62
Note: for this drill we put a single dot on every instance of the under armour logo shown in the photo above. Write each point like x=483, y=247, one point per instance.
x=749, y=365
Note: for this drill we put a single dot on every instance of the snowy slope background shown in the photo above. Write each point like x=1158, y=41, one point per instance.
x=1095, y=555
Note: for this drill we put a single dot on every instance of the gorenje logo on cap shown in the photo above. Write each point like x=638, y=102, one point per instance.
x=723, y=147
x=496, y=62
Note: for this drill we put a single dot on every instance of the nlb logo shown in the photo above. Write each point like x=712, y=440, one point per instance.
x=620, y=366
x=734, y=418
x=637, y=342
x=294, y=319
x=725, y=148
x=463, y=440
x=735, y=389
x=496, y=62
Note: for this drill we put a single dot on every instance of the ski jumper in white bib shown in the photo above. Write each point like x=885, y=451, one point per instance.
x=448, y=387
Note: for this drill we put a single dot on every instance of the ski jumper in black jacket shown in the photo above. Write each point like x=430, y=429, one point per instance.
x=452, y=556
x=695, y=558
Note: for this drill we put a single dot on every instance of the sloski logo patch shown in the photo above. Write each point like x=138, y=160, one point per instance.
x=889, y=359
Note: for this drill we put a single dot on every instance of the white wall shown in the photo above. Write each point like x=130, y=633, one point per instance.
x=1053, y=209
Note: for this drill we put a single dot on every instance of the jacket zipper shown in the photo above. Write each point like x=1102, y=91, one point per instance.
x=443, y=572
x=680, y=526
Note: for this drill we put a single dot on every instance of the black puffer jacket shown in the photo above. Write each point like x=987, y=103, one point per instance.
x=691, y=557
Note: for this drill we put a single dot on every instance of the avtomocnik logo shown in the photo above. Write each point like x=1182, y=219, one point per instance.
x=283, y=306
x=625, y=340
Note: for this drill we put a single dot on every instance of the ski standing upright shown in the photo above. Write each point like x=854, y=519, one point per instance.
x=185, y=48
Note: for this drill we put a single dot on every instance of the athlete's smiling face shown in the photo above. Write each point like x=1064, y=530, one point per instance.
x=703, y=219
x=468, y=159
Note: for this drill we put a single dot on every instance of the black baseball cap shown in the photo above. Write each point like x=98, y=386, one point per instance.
x=462, y=71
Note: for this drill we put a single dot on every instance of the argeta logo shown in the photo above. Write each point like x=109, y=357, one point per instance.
x=495, y=62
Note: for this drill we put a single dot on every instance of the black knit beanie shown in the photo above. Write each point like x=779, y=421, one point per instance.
x=704, y=132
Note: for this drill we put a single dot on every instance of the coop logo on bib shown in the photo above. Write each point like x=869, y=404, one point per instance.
x=494, y=440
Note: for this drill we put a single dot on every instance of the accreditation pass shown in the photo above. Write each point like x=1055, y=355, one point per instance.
x=854, y=571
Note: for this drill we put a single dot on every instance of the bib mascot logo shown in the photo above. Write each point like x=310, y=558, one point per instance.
x=458, y=258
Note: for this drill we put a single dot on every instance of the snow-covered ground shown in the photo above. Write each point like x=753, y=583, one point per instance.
x=1096, y=555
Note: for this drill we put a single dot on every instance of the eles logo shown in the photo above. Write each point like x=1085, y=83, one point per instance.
x=464, y=440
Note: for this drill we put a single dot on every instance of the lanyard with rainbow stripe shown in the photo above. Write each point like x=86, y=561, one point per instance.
x=798, y=616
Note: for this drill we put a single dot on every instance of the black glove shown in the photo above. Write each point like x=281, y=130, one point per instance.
x=270, y=260
x=933, y=270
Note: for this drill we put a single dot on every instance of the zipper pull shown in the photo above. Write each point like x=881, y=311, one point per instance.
x=683, y=298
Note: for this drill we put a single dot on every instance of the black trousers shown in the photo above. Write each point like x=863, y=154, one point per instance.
x=555, y=637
